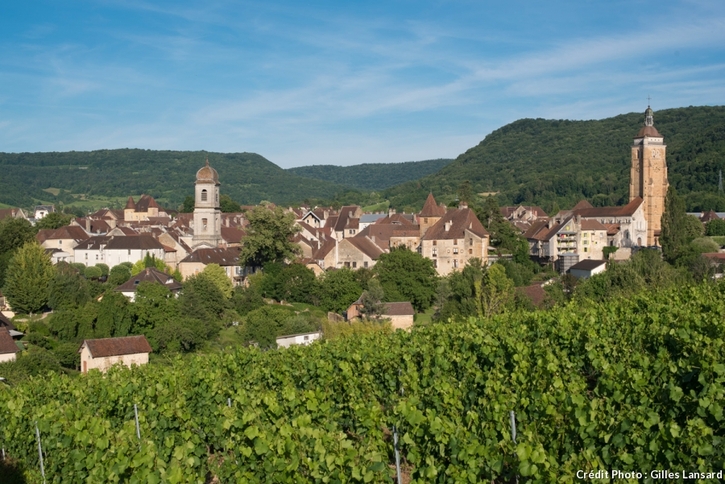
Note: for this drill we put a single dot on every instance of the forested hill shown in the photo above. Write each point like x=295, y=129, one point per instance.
x=27, y=178
x=372, y=176
x=548, y=162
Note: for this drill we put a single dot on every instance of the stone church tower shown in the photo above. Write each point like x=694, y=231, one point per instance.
x=648, y=177
x=207, y=213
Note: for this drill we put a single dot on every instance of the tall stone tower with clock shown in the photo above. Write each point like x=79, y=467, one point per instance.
x=648, y=176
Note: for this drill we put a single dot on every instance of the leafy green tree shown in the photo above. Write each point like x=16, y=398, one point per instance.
x=372, y=301
x=64, y=324
x=269, y=237
x=188, y=205
x=502, y=233
x=180, y=335
x=247, y=299
x=216, y=274
x=104, y=268
x=148, y=261
x=92, y=272
x=14, y=233
x=115, y=315
x=715, y=227
x=494, y=292
x=68, y=289
x=118, y=275
x=228, y=205
x=28, y=278
x=674, y=234
x=263, y=325
x=297, y=283
x=202, y=299
x=407, y=274
x=54, y=220
x=67, y=355
x=338, y=289
x=155, y=305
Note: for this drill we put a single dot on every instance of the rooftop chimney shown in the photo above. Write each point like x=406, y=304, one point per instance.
x=462, y=205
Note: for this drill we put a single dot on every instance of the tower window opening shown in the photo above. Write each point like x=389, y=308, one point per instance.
x=204, y=223
x=203, y=196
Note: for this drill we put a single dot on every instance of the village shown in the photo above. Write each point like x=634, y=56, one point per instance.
x=579, y=242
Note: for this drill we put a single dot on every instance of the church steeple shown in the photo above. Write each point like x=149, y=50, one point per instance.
x=648, y=176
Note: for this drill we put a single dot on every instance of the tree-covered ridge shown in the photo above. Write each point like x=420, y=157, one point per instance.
x=372, y=176
x=557, y=162
x=168, y=176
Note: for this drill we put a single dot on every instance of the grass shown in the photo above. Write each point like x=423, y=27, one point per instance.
x=378, y=207
x=421, y=319
x=53, y=191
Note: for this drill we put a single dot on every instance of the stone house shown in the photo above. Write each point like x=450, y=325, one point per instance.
x=348, y=222
x=353, y=253
x=400, y=314
x=145, y=209
x=65, y=239
x=454, y=239
x=227, y=258
x=430, y=214
x=132, y=249
x=102, y=354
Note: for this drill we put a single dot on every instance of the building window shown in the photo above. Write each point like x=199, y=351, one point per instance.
x=455, y=241
x=455, y=250
x=435, y=242
x=470, y=241
x=204, y=223
x=435, y=252
x=470, y=251
x=586, y=249
x=203, y=195
x=354, y=265
x=86, y=255
x=365, y=264
x=455, y=262
x=425, y=220
x=129, y=251
x=347, y=264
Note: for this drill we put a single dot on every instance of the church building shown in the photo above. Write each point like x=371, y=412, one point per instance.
x=648, y=176
x=207, y=211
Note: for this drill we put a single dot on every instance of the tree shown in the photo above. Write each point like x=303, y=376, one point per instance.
x=92, y=272
x=188, y=205
x=28, y=278
x=269, y=237
x=228, y=205
x=407, y=274
x=494, y=292
x=202, y=299
x=218, y=276
x=114, y=315
x=67, y=289
x=154, y=306
x=118, y=275
x=338, y=289
x=372, y=301
x=263, y=325
x=14, y=233
x=148, y=261
x=54, y=220
x=715, y=227
x=674, y=236
x=502, y=233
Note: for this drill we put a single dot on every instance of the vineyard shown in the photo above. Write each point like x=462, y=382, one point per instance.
x=637, y=384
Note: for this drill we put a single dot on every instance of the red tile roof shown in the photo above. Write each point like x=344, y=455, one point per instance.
x=150, y=274
x=7, y=345
x=431, y=208
x=458, y=221
x=222, y=257
x=139, y=242
x=128, y=345
x=591, y=224
x=69, y=232
x=366, y=246
x=399, y=309
x=625, y=211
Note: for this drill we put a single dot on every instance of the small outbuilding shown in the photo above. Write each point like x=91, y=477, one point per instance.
x=8, y=348
x=587, y=268
x=298, y=339
x=400, y=314
x=101, y=354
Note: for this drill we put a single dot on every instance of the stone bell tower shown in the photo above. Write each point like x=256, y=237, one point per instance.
x=648, y=176
x=207, y=212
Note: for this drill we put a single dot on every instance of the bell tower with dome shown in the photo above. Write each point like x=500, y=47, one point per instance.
x=648, y=176
x=207, y=212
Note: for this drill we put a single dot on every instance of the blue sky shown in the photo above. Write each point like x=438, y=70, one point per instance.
x=340, y=82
